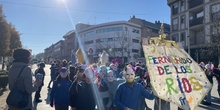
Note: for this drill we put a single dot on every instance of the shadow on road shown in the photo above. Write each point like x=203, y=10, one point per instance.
x=214, y=106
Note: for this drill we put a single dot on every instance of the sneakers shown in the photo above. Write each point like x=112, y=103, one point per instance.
x=38, y=100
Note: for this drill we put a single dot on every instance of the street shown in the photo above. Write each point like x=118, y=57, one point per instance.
x=45, y=104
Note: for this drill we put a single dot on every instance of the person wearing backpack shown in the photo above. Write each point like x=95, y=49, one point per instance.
x=25, y=81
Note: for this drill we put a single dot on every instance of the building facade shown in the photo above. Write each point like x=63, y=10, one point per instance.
x=193, y=22
x=119, y=39
x=149, y=29
x=48, y=54
x=69, y=45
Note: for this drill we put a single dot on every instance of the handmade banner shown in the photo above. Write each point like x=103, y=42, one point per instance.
x=175, y=76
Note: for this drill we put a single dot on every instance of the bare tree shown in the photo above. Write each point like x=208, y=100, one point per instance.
x=211, y=49
x=125, y=42
x=118, y=45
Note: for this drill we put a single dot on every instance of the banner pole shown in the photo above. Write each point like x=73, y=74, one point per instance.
x=159, y=103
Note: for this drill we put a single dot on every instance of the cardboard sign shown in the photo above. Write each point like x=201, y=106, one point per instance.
x=175, y=76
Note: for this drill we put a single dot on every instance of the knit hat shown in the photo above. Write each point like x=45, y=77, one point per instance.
x=21, y=53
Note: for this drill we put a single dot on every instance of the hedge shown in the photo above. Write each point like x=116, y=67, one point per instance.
x=3, y=79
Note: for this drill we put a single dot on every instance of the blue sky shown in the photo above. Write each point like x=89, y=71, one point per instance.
x=44, y=22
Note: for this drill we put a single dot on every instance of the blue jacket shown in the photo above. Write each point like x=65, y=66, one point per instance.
x=60, y=92
x=131, y=97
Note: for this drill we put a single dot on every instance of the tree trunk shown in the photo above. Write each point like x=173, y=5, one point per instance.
x=218, y=55
x=122, y=58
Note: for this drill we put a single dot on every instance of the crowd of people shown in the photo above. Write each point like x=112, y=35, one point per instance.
x=104, y=87
x=210, y=71
x=89, y=87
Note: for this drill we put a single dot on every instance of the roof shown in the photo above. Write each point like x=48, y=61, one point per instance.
x=69, y=33
x=156, y=26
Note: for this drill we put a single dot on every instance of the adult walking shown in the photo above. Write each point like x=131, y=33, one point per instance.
x=39, y=71
x=24, y=81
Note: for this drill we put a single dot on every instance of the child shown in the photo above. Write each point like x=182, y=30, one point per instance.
x=112, y=85
x=83, y=93
x=74, y=88
x=60, y=91
x=102, y=86
x=129, y=93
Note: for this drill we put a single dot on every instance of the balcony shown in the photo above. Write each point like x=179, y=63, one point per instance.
x=196, y=21
x=195, y=3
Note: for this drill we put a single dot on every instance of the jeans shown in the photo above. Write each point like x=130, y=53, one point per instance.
x=37, y=94
x=208, y=96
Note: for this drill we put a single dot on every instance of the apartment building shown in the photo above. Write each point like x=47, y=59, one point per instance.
x=119, y=39
x=69, y=45
x=193, y=22
x=149, y=29
x=48, y=54
x=55, y=51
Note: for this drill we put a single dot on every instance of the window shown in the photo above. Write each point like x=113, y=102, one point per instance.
x=200, y=14
x=109, y=29
x=182, y=21
x=110, y=39
x=135, y=31
x=135, y=40
x=89, y=42
x=215, y=10
x=182, y=5
x=175, y=37
x=175, y=8
x=175, y=24
x=98, y=40
x=183, y=36
x=88, y=33
x=135, y=51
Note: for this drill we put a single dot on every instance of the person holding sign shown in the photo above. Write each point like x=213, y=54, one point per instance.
x=39, y=74
x=25, y=82
x=129, y=93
